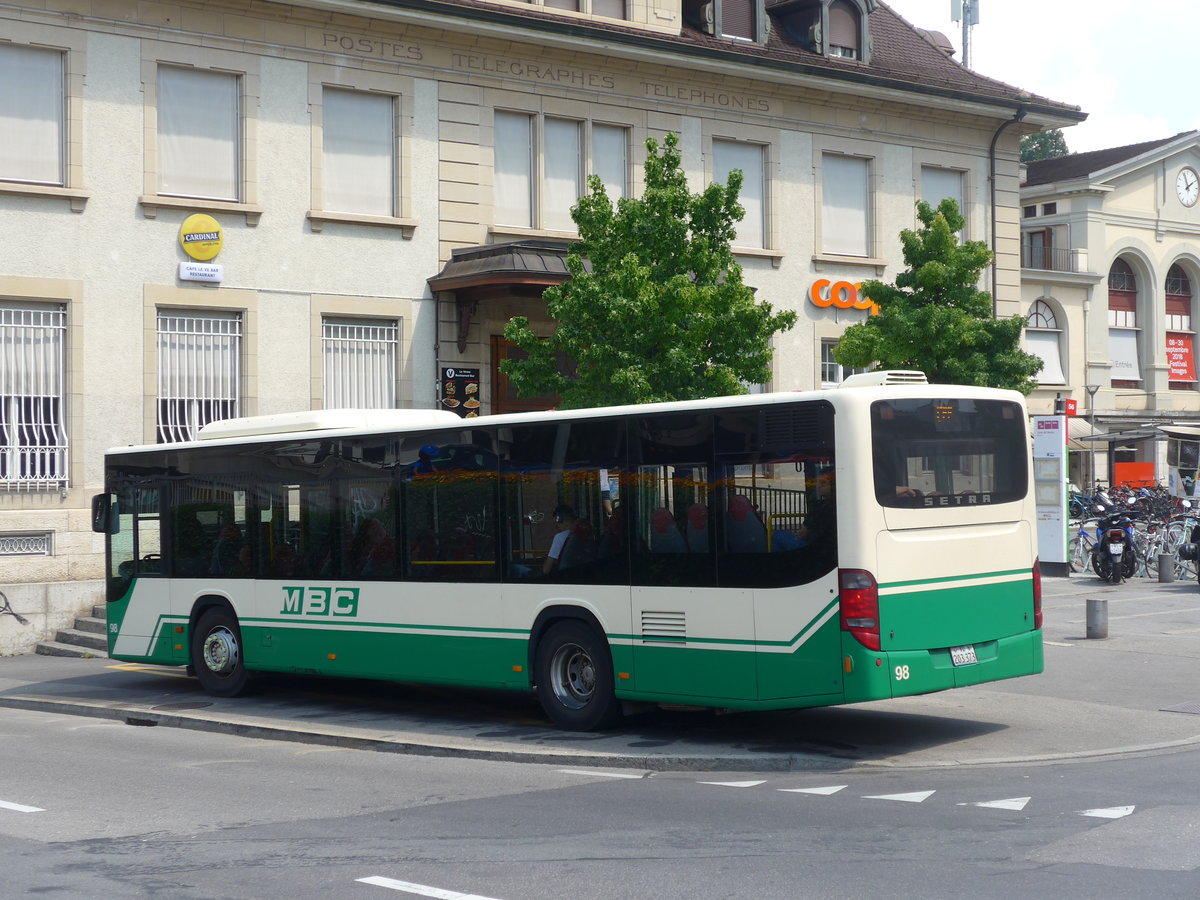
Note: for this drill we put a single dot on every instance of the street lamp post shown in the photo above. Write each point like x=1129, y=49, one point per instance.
x=1091, y=389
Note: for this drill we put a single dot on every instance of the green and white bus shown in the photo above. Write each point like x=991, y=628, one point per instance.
x=760, y=552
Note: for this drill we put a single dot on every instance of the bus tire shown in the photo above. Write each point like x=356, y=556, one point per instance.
x=217, y=657
x=574, y=672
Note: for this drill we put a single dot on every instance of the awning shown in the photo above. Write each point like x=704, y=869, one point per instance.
x=1183, y=431
x=1079, y=430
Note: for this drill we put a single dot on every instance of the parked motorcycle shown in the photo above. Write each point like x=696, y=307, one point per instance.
x=1113, y=557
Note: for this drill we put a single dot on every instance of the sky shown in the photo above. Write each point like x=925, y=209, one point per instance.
x=1128, y=66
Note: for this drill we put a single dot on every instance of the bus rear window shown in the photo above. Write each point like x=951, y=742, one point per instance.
x=948, y=453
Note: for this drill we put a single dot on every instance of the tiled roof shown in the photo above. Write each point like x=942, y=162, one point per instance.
x=903, y=56
x=1078, y=165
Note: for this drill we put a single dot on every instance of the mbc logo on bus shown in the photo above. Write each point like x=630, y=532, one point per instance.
x=319, y=601
x=842, y=294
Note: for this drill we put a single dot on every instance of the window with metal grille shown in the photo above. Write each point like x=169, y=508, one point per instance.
x=359, y=362
x=199, y=371
x=33, y=436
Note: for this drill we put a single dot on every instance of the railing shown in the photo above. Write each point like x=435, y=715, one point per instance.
x=1053, y=259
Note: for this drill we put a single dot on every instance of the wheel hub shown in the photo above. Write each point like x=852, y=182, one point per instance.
x=221, y=651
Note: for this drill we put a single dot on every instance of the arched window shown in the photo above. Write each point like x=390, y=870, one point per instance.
x=1122, y=325
x=845, y=33
x=1043, y=338
x=1181, y=350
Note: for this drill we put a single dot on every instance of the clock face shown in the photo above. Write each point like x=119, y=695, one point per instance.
x=1187, y=185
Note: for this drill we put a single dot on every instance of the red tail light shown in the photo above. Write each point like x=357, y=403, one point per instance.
x=859, y=597
x=1037, y=594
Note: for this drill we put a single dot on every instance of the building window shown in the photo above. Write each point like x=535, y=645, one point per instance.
x=199, y=134
x=1122, y=325
x=571, y=150
x=358, y=138
x=360, y=362
x=937, y=184
x=1043, y=338
x=612, y=9
x=845, y=205
x=33, y=435
x=750, y=159
x=1049, y=209
x=1181, y=351
x=834, y=373
x=32, y=107
x=844, y=30
x=738, y=19
x=1029, y=212
x=199, y=371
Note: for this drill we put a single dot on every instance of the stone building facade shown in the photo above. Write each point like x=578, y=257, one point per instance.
x=217, y=208
x=1110, y=244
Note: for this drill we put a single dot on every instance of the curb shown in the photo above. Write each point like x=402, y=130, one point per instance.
x=452, y=749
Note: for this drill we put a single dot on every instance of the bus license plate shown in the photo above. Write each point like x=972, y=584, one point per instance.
x=963, y=656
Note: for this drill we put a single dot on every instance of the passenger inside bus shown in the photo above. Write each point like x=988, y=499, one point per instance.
x=572, y=545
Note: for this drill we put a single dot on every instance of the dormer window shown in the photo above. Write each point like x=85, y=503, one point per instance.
x=742, y=20
x=844, y=30
x=739, y=19
x=833, y=28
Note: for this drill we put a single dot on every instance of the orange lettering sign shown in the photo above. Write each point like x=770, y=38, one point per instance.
x=842, y=294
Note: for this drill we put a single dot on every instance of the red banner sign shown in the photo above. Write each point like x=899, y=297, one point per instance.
x=1180, y=357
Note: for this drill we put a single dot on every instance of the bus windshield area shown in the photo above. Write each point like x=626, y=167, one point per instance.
x=933, y=454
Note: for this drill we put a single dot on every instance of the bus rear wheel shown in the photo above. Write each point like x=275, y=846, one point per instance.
x=217, y=653
x=574, y=674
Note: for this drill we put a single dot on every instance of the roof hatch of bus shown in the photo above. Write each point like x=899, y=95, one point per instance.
x=327, y=420
x=885, y=376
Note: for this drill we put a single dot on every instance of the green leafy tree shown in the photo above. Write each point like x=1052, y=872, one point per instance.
x=1043, y=145
x=935, y=318
x=655, y=308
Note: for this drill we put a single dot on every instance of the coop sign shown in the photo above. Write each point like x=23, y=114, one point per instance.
x=320, y=601
x=842, y=294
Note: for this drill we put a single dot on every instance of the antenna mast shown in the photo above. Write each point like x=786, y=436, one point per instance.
x=967, y=12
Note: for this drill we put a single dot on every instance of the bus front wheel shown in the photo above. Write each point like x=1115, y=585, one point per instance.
x=575, y=682
x=217, y=653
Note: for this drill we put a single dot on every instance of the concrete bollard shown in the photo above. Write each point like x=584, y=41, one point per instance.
x=1097, y=619
x=1166, y=567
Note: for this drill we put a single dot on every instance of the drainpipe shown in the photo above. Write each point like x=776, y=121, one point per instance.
x=1017, y=117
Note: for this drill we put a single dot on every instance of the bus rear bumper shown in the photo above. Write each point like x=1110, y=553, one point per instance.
x=878, y=675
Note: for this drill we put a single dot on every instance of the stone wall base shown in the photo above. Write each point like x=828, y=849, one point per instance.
x=47, y=606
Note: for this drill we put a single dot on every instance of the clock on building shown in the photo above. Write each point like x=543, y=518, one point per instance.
x=1187, y=186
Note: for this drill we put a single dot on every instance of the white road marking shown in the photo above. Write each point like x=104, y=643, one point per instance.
x=1017, y=803
x=17, y=807
x=915, y=797
x=737, y=784
x=823, y=791
x=600, y=774
x=1116, y=812
x=423, y=889
x=1056, y=643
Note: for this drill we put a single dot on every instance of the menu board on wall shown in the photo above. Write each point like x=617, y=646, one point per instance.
x=460, y=391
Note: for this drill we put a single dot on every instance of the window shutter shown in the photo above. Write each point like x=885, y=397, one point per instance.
x=359, y=140
x=737, y=18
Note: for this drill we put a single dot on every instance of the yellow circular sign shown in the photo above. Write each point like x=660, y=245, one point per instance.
x=201, y=237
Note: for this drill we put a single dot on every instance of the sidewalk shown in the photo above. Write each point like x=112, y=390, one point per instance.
x=1135, y=692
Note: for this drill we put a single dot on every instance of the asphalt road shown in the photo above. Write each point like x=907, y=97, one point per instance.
x=1134, y=693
